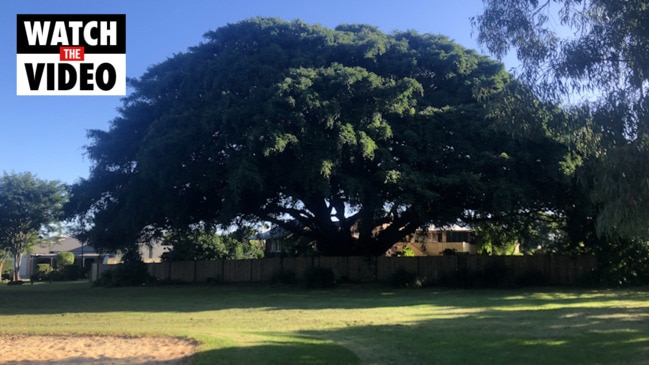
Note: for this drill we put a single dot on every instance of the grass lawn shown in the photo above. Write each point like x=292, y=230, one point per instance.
x=350, y=325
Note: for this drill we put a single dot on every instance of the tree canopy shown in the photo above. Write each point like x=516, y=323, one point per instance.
x=200, y=245
x=28, y=207
x=598, y=51
x=359, y=136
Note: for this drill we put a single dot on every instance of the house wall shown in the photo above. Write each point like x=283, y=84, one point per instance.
x=28, y=264
x=433, y=242
x=433, y=248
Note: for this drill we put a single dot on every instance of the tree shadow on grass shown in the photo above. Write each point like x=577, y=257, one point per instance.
x=489, y=340
x=574, y=334
x=46, y=299
x=451, y=327
x=495, y=338
x=280, y=353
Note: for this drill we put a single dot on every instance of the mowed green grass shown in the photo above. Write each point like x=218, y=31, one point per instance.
x=350, y=325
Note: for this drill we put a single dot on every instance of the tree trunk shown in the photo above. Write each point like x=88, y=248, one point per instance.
x=16, y=273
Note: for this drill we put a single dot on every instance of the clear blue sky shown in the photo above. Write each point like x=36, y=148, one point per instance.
x=45, y=135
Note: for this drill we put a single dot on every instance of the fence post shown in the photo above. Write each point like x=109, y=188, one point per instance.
x=223, y=270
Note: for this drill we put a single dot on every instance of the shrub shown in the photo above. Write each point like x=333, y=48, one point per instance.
x=43, y=272
x=405, y=279
x=319, y=278
x=71, y=272
x=449, y=252
x=132, y=273
x=406, y=252
x=64, y=259
x=623, y=262
x=7, y=270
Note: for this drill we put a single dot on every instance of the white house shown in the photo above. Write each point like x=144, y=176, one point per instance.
x=84, y=255
x=434, y=241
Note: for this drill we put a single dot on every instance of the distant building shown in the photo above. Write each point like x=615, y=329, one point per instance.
x=84, y=255
x=149, y=252
x=274, y=240
x=433, y=241
x=436, y=241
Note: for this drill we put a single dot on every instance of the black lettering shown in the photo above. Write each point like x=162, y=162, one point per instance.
x=65, y=82
x=85, y=75
x=34, y=78
x=50, y=76
x=101, y=80
x=98, y=33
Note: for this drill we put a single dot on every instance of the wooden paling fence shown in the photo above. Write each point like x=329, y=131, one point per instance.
x=543, y=269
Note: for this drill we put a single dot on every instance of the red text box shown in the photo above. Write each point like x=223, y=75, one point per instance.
x=71, y=54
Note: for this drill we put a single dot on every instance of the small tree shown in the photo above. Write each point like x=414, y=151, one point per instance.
x=28, y=208
x=64, y=259
x=4, y=255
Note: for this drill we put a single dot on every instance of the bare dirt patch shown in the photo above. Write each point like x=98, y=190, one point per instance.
x=105, y=350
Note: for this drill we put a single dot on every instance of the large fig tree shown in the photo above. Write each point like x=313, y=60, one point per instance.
x=351, y=137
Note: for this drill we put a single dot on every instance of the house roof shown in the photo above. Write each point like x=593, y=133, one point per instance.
x=64, y=244
x=86, y=250
x=273, y=233
x=277, y=231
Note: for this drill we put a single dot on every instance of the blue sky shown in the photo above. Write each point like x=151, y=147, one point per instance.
x=45, y=135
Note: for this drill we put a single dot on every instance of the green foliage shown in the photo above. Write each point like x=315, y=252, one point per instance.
x=7, y=269
x=598, y=50
x=43, y=272
x=592, y=54
x=406, y=252
x=525, y=233
x=129, y=273
x=43, y=269
x=68, y=273
x=596, y=45
x=28, y=207
x=358, y=136
x=64, y=258
x=623, y=262
x=206, y=245
x=621, y=188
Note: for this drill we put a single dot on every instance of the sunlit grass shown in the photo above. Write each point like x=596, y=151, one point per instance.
x=355, y=325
